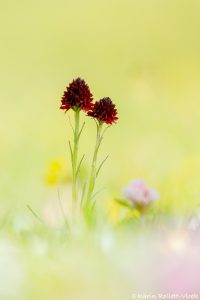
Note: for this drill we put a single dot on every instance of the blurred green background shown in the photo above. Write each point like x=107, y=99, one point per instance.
x=144, y=54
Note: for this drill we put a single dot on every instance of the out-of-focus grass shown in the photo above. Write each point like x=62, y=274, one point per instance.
x=145, y=56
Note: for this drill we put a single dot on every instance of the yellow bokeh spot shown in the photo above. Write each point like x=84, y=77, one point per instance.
x=56, y=172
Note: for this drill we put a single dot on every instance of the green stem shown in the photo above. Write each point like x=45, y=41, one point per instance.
x=75, y=159
x=93, y=174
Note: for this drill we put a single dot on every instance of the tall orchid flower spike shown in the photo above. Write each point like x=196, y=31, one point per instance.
x=77, y=97
x=104, y=112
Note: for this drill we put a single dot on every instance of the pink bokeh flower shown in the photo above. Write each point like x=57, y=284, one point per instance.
x=139, y=194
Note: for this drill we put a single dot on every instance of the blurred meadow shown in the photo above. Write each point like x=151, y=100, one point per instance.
x=144, y=55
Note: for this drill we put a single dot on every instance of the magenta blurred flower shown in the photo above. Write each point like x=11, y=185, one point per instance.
x=139, y=194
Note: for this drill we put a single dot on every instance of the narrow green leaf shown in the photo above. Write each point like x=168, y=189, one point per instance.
x=101, y=165
x=62, y=211
x=81, y=130
x=98, y=192
x=34, y=214
x=124, y=203
x=70, y=123
x=79, y=165
x=93, y=206
x=82, y=195
x=105, y=130
x=71, y=153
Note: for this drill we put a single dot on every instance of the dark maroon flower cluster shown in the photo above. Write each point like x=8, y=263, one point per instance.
x=77, y=95
x=104, y=111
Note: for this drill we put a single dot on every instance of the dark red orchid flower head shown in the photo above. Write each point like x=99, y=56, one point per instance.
x=77, y=96
x=104, y=111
